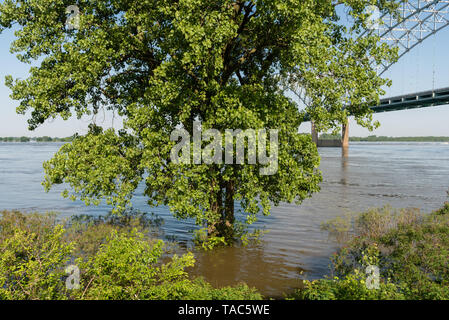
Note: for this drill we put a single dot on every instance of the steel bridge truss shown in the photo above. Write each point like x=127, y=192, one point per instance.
x=419, y=19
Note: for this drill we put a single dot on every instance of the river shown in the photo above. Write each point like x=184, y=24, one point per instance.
x=370, y=175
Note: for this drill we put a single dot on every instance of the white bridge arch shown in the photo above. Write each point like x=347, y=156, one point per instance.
x=418, y=20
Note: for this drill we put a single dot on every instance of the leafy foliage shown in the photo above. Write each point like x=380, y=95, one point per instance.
x=89, y=233
x=411, y=250
x=445, y=209
x=351, y=287
x=121, y=262
x=32, y=266
x=125, y=266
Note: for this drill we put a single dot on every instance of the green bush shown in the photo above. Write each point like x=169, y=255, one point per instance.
x=444, y=209
x=351, y=287
x=199, y=289
x=126, y=267
x=411, y=250
x=39, y=224
x=32, y=265
x=116, y=258
x=89, y=233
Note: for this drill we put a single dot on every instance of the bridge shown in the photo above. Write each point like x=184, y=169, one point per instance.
x=418, y=20
x=423, y=99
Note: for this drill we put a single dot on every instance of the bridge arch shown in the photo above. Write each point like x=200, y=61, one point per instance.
x=419, y=20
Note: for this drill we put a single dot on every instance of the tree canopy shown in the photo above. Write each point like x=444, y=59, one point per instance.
x=161, y=65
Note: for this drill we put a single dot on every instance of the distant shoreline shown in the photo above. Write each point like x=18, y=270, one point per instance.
x=400, y=139
x=387, y=139
x=35, y=139
x=324, y=136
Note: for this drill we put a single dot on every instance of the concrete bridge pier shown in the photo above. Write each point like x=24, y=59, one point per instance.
x=343, y=143
x=345, y=135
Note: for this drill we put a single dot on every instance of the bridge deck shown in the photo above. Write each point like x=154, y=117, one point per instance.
x=416, y=100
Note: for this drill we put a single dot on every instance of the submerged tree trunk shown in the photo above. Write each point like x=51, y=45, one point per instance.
x=216, y=206
x=228, y=218
x=222, y=205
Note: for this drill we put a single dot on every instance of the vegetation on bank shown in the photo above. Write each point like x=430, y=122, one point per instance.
x=411, y=250
x=35, y=139
x=374, y=138
x=116, y=256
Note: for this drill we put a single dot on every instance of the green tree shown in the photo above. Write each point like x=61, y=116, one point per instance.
x=162, y=64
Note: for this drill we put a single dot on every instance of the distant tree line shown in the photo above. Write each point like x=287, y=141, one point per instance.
x=35, y=139
x=374, y=138
x=324, y=136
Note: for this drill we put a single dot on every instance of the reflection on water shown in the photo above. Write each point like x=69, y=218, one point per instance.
x=344, y=165
x=367, y=175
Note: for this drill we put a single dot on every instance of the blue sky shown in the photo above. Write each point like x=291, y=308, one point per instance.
x=423, y=68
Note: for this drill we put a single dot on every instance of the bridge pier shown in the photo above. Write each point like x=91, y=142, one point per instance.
x=345, y=135
x=343, y=143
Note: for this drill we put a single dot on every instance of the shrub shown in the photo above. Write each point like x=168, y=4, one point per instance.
x=89, y=233
x=116, y=261
x=411, y=250
x=39, y=224
x=125, y=267
x=444, y=209
x=351, y=287
x=32, y=265
x=128, y=267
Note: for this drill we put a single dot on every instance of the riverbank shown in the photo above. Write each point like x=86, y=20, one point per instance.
x=387, y=254
x=121, y=258
x=106, y=258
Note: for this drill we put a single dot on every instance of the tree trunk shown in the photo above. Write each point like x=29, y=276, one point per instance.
x=227, y=223
x=217, y=207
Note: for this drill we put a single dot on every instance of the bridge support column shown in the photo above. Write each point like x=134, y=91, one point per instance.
x=345, y=135
x=314, y=134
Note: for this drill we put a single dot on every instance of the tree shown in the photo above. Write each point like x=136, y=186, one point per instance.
x=161, y=65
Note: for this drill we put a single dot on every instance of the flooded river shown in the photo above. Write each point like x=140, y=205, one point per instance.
x=370, y=175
